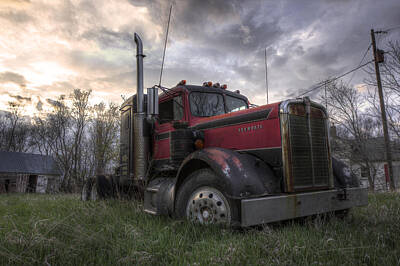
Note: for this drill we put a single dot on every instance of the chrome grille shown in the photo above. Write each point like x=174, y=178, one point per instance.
x=309, y=161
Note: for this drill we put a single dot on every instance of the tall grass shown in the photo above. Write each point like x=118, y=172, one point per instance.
x=62, y=230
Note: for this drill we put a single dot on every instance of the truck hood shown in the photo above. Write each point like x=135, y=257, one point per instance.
x=271, y=110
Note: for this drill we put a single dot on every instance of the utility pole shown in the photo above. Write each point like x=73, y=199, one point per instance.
x=383, y=111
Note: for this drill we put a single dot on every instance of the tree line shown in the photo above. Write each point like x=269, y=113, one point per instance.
x=83, y=138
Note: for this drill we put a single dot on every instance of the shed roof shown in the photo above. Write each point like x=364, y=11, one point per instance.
x=27, y=163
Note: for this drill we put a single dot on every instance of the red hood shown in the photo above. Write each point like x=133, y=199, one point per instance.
x=273, y=114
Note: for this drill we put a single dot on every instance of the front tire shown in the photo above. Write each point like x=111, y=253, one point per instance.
x=201, y=199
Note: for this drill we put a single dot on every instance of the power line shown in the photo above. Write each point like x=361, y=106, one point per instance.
x=338, y=77
x=352, y=76
x=393, y=28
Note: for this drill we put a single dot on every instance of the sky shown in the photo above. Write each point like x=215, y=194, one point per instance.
x=50, y=47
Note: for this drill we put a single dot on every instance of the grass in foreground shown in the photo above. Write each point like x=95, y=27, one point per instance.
x=62, y=230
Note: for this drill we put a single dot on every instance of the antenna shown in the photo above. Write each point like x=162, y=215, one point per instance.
x=266, y=73
x=165, y=45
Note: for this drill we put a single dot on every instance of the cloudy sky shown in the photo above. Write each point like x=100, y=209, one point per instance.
x=50, y=47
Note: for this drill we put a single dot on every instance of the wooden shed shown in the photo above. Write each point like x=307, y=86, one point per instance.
x=25, y=172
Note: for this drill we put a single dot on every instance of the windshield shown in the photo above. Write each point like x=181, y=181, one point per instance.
x=234, y=104
x=206, y=104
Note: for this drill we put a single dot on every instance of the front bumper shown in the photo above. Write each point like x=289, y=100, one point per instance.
x=284, y=207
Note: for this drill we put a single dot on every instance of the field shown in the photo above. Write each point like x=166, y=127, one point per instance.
x=62, y=230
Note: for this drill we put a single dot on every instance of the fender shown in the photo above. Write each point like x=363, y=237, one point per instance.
x=242, y=175
x=343, y=175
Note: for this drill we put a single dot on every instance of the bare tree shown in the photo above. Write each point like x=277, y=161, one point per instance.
x=348, y=110
x=56, y=134
x=15, y=129
x=79, y=113
x=3, y=132
x=104, y=136
x=81, y=137
x=39, y=135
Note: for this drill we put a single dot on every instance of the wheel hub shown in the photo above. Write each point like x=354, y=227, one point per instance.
x=207, y=206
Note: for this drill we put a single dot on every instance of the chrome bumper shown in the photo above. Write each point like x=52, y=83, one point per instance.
x=284, y=207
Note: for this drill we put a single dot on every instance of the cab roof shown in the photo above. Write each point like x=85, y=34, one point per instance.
x=197, y=88
x=190, y=88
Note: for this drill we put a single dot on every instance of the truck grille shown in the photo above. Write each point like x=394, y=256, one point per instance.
x=309, y=159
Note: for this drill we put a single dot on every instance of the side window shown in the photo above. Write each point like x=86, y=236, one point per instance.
x=171, y=110
x=178, y=108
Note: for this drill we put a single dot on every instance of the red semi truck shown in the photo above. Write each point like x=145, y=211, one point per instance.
x=205, y=154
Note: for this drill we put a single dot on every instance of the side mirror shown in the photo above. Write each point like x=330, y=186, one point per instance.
x=152, y=101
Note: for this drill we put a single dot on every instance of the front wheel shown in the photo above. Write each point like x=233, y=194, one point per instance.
x=200, y=199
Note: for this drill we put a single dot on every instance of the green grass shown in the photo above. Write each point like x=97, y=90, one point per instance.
x=62, y=230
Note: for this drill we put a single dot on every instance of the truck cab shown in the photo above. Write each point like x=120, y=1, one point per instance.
x=200, y=113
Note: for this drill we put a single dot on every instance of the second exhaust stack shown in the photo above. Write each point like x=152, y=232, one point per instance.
x=140, y=133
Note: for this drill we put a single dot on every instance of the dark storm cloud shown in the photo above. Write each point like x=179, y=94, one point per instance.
x=16, y=16
x=12, y=77
x=57, y=88
x=111, y=39
x=20, y=98
x=233, y=34
x=54, y=103
x=307, y=41
x=228, y=25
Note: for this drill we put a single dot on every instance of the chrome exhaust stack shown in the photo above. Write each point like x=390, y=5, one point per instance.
x=139, y=76
x=141, y=136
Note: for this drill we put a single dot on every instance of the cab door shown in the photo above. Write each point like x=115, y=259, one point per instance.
x=171, y=110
